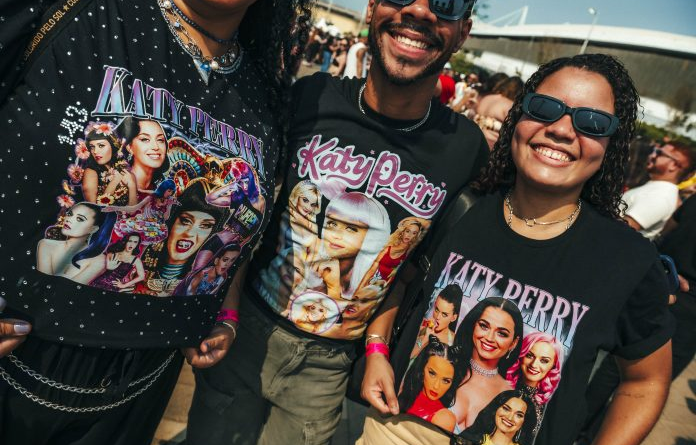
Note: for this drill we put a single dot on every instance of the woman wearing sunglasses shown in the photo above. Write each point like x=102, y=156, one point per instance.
x=546, y=235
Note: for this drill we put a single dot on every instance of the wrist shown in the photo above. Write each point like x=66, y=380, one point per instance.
x=228, y=325
x=377, y=348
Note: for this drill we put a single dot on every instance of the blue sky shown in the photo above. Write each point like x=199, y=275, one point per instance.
x=676, y=16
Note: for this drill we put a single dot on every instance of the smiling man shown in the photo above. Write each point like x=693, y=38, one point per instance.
x=379, y=151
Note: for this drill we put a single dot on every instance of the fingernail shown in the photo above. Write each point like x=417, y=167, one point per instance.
x=22, y=328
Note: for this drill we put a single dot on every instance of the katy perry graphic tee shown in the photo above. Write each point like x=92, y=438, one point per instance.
x=132, y=188
x=359, y=197
x=508, y=330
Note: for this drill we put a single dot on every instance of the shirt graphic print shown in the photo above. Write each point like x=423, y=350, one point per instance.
x=489, y=353
x=147, y=206
x=339, y=249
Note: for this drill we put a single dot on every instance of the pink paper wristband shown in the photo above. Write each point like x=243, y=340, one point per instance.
x=377, y=348
x=228, y=314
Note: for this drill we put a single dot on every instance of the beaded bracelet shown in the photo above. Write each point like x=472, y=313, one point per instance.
x=228, y=314
x=377, y=348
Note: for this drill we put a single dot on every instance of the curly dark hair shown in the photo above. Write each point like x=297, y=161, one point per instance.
x=274, y=34
x=603, y=189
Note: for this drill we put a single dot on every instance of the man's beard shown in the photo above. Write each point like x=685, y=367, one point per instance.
x=432, y=68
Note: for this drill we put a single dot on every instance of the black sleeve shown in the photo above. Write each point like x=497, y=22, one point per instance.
x=645, y=323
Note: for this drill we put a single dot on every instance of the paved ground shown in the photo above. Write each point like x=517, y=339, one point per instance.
x=677, y=426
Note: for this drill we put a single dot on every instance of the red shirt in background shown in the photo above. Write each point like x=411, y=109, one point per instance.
x=447, y=91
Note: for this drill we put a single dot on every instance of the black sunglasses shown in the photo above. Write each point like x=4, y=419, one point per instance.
x=444, y=9
x=588, y=121
x=659, y=152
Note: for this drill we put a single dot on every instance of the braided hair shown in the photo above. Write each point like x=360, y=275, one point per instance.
x=603, y=189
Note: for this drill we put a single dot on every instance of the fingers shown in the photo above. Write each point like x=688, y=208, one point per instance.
x=14, y=328
x=374, y=398
x=392, y=401
x=9, y=344
x=12, y=332
x=683, y=284
x=210, y=351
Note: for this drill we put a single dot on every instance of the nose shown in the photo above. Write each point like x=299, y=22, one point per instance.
x=562, y=128
x=419, y=10
x=490, y=335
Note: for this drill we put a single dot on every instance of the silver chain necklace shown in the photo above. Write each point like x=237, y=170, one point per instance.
x=480, y=370
x=531, y=222
x=224, y=64
x=411, y=128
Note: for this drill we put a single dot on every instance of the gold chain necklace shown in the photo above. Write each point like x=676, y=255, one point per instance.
x=531, y=222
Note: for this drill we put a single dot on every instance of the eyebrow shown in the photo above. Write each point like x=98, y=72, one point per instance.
x=500, y=328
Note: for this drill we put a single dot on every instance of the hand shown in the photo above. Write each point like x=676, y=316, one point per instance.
x=683, y=284
x=212, y=349
x=12, y=332
x=378, y=384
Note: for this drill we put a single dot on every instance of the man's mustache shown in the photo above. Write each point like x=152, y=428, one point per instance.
x=420, y=29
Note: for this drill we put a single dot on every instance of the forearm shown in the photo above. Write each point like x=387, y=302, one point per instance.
x=384, y=320
x=231, y=301
x=636, y=406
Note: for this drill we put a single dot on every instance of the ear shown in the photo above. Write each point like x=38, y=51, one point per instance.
x=370, y=9
x=464, y=34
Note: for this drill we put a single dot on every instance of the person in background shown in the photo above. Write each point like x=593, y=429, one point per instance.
x=651, y=205
x=356, y=59
x=444, y=89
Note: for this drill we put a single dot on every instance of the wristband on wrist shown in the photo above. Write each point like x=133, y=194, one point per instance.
x=377, y=348
x=228, y=314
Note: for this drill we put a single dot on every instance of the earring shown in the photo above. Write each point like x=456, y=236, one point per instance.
x=508, y=354
x=516, y=438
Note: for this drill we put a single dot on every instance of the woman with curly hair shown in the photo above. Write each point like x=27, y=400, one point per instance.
x=545, y=235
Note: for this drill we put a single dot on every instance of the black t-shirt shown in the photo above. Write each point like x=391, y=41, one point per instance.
x=680, y=243
x=359, y=197
x=131, y=189
x=527, y=315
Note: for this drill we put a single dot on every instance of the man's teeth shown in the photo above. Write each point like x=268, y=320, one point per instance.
x=557, y=155
x=410, y=42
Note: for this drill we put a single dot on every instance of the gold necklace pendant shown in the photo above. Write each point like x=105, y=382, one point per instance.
x=531, y=222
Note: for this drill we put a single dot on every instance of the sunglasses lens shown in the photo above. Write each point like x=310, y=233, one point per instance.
x=592, y=123
x=545, y=109
x=448, y=9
